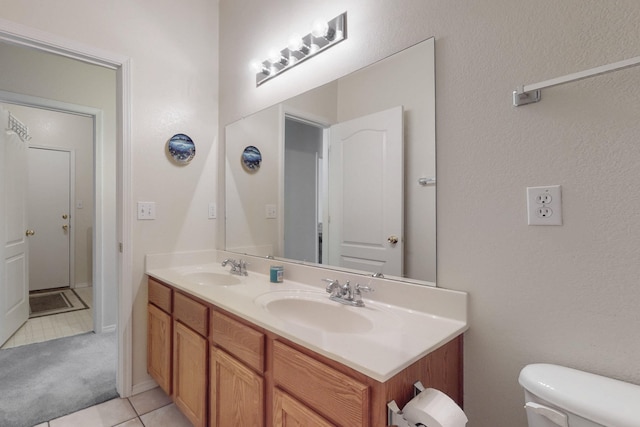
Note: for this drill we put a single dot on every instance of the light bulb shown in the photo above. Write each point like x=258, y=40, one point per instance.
x=257, y=66
x=295, y=42
x=274, y=56
x=319, y=28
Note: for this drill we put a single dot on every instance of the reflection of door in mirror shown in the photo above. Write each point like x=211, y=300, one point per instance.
x=365, y=187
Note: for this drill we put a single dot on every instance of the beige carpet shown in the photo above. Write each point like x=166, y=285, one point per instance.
x=43, y=381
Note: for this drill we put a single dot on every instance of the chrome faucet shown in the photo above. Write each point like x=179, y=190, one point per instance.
x=345, y=294
x=237, y=267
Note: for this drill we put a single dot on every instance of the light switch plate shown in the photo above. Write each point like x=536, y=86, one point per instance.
x=271, y=211
x=213, y=210
x=146, y=210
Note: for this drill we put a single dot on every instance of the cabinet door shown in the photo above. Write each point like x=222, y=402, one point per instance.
x=237, y=392
x=159, y=347
x=288, y=412
x=190, y=373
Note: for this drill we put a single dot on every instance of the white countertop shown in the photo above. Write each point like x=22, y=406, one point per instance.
x=389, y=338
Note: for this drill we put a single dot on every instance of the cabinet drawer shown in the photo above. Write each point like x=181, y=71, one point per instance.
x=191, y=313
x=160, y=295
x=240, y=340
x=332, y=394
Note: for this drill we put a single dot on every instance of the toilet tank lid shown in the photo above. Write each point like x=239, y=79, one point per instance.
x=596, y=398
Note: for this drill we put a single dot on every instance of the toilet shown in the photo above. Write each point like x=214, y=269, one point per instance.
x=559, y=396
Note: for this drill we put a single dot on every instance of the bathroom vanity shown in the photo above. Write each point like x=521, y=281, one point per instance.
x=234, y=350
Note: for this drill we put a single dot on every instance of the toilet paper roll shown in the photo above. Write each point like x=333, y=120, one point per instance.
x=433, y=408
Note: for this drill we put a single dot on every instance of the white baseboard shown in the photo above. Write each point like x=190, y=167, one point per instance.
x=81, y=285
x=109, y=328
x=144, y=386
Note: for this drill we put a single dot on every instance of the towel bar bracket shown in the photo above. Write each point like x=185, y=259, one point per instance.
x=524, y=98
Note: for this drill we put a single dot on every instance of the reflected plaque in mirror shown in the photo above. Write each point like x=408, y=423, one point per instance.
x=251, y=158
x=347, y=157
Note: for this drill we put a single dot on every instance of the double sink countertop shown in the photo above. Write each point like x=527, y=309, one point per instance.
x=400, y=323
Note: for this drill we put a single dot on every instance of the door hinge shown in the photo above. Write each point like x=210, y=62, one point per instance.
x=120, y=246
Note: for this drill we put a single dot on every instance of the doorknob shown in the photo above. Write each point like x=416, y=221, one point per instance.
x=65, y=227
x=65, y=216
x=30, y=233
x=392, y=239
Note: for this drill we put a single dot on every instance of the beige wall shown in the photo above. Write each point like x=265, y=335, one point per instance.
x=566, y=295
x=74, y=132
x=172, y=46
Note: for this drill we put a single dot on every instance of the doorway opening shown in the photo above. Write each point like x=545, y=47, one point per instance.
x=115, y=233
x=59, y=202
x=304, y=162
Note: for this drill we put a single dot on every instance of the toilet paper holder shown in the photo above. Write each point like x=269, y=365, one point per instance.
x=428, y=408
x=394, y=414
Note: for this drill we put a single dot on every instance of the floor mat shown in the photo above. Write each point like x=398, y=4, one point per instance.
x=54, y=302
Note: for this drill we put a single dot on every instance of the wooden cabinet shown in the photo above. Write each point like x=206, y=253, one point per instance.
x=159, y=330
x=237, y=392
x=288, y=412
x=334, y=395
x=237, y=365
x=190, y=373
x=159, y=347
x=222, y=371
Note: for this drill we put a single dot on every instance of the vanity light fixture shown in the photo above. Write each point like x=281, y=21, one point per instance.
x=323, y=35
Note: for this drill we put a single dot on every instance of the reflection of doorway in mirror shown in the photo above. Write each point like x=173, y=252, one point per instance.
x=303, y=160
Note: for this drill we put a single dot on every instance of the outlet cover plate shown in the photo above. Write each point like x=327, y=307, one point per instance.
x=544, y=205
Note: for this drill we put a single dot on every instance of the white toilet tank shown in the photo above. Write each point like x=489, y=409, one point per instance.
x=559, y=396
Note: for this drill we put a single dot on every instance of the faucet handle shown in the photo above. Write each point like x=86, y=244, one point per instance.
x=360, y=288
x=357, y=294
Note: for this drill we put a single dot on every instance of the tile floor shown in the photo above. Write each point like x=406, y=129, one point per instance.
x=57, y=325
x=152, y=408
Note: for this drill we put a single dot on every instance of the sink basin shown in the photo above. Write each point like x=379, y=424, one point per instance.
x=316, y=311
x=211, y=278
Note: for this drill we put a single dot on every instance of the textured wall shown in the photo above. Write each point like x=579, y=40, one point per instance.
x=567, y=294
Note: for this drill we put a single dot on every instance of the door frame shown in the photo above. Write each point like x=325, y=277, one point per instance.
x=72, y=218
x=293, y=113
x=24, y=36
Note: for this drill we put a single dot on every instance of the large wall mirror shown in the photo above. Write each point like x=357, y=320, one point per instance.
x=342, y=175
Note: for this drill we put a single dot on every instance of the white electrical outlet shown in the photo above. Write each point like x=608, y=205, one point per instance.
x=271, y=212
x=146, y=210
x=213, y=210
x=544, y=205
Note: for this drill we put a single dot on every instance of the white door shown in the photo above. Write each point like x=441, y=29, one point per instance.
x=365, y=193
x=48, y=207
x=14, y=279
